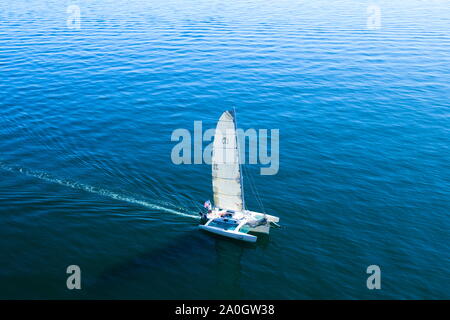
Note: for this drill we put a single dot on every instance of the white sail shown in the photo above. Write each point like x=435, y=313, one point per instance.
x=226, y=173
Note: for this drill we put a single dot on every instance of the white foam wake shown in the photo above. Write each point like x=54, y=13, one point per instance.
x=100, y=191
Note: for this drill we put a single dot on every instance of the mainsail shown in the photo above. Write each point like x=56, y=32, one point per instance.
x=226, y=173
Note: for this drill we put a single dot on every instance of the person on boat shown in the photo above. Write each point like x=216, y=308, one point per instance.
x=203, y=216
x=207, y=205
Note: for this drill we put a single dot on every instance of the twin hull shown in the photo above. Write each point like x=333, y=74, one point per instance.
x=235, y=232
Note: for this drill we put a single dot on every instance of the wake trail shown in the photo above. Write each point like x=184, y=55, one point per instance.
x=85, y=187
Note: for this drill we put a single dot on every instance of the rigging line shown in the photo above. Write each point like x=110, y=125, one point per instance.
x=239, y=162
x=258, y=196
x=260, y=201
x=252, y=187
x=255, y=190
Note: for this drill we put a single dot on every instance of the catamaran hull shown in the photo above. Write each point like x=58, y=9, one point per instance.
x=230, y=234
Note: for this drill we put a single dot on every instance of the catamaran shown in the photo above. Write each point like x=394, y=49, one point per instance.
x=228, y=216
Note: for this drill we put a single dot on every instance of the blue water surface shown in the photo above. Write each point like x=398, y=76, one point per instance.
x=86, y=117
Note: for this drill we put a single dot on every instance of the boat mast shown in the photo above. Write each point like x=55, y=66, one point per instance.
x=239, y=158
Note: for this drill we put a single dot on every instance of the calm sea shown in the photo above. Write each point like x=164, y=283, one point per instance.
x=359, y=90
